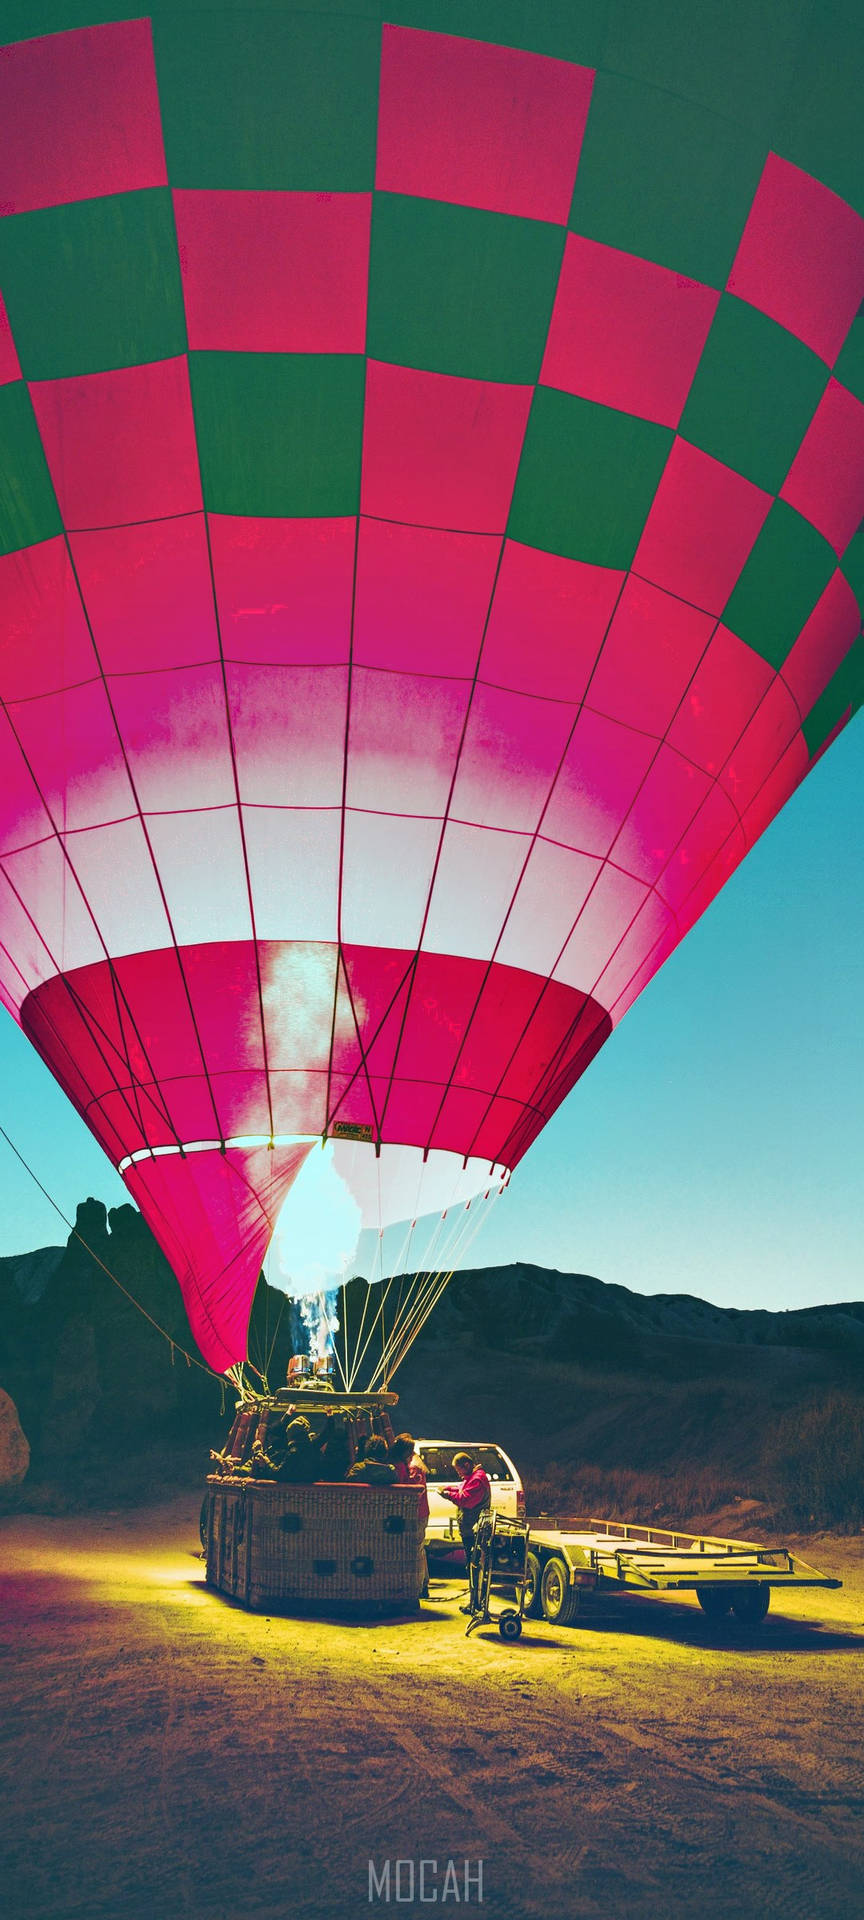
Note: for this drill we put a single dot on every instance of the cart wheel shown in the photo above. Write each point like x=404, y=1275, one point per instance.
x=533, y=1606
x=750, y=1604
x=715, y=1601
x=560, y=1600
x=204, y=1519
x=509, y=1624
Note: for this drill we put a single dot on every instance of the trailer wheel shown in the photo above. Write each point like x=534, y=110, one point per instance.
x=560, y=1600
x=509, y=1624
x=533, y=1606
x=715, y=1601
x=750, y=1604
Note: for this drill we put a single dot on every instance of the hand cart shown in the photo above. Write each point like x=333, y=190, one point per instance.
x=499, y=1552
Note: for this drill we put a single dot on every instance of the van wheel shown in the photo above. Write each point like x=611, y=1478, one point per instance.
x=750, y=1604
x=715, y=1601
x=560, y=1600
x=533, y=1606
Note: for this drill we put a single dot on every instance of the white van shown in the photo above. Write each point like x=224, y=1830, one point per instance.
x=508, y=1496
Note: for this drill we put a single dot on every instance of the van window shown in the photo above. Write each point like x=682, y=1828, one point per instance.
x=438, y=1462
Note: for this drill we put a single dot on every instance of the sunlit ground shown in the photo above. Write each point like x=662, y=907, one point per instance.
x=167, y=1753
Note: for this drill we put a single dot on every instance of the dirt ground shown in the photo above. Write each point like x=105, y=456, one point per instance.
x=166, y=1754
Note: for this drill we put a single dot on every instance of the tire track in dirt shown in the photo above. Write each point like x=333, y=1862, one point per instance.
x=170, y=1750
x=717, y=1783
x=799, y=1898
x=642, y=1773
x=495, y=1830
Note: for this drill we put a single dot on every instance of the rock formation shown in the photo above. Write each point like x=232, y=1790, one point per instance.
x=14, y=1447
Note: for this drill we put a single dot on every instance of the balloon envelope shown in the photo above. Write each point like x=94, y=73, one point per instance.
x=432, y=467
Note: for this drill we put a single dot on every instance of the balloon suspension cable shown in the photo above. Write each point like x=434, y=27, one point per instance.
x=272, y=1347
x=431, y=1286
x=238, y=1380
x=266, y=1348
x=344, y=1330
x=426, y=1288
x=253, y=1335
x=401, y=1267
x=443, y=1235
x=379, y=1248
x=380, y=1242
x=409, y=1303
x=190, y=1358
x=359, y=1353
x=463, y=1239
x=403, y=1306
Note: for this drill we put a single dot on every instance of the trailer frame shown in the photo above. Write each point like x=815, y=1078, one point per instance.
x=617, y=1556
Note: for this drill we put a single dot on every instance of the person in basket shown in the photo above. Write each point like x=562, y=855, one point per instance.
x=374, y=1469
x=410, y=1472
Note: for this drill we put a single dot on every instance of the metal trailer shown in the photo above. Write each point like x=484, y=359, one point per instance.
x=612, y=1556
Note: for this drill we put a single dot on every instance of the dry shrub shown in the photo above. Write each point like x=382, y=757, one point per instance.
x=816, y=1462
x=667, y=1499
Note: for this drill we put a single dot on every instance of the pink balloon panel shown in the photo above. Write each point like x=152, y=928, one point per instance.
x=428, y=561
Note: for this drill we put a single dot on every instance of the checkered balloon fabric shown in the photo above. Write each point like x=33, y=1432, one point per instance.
x=431, y=475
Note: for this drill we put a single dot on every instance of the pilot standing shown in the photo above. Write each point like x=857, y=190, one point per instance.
x=472, y=1497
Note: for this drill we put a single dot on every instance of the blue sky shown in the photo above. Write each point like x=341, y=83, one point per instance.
x=715, y=1146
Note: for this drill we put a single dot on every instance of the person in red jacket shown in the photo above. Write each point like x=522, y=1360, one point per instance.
x=472, y=1497
x=411, y=1472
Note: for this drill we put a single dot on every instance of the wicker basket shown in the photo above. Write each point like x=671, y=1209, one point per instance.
x=341, y=1547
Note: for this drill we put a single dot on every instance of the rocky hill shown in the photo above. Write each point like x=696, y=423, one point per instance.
x=89, y=1375
x=659, y=1403
x=652, y=1405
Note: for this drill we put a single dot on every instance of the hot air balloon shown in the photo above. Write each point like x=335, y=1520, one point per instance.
x=431, y=466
